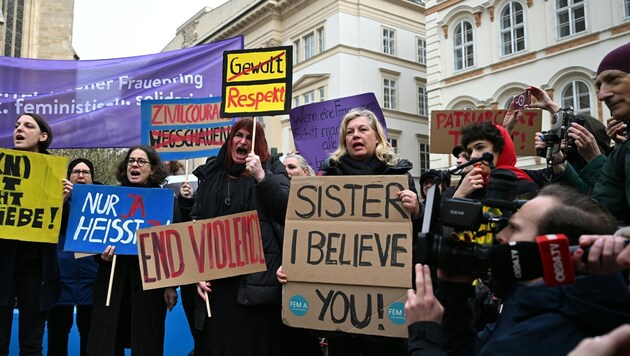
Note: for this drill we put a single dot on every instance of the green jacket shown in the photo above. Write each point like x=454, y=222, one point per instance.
x=585, y=180
x=613, y=186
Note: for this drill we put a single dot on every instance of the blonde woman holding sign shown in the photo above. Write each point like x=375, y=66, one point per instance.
x=133, y=318
x=29, y=272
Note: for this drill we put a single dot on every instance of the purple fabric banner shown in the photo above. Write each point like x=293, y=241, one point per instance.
x=97, y=103
x=316, y=126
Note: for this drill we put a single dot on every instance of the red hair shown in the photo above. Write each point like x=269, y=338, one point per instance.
x=260, y=145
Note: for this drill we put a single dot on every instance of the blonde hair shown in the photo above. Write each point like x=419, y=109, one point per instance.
x=384, y=151
x=303, y=163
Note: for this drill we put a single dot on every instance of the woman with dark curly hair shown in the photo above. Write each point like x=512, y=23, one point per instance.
x=135, y=317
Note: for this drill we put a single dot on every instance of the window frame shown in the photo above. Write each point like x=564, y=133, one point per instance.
x=570, y=9
x=423, y=100
x=389, y=43
x=421, y=47
x=513, y=28
x=424, y=157
x=465, y=47
x=576, y=95
x=390, y=93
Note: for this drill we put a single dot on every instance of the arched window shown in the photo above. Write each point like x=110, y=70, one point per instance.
x=512, y=28
x=463, y=49
x=576, y=94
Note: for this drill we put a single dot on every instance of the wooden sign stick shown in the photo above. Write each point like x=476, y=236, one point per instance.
x=111, y=281
x=254, y=135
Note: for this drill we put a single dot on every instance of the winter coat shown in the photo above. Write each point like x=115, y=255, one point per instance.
x=613, y=187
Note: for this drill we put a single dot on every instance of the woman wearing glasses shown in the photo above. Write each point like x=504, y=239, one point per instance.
x=135, y=317
x=28, y=270
x=77, y=274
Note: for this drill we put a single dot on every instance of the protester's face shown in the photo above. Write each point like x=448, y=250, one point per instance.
x=293, y=167
x=523, y=225
x=27, y=134
x=361, y=139
x=462, y=158
x=477, y=148
x=139, y=171
x=426, y=185
x=241, y=146
x=81, y=174
x=614, y=90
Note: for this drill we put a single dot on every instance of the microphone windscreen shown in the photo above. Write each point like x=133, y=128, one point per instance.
x=515, y=261
x=487, y=156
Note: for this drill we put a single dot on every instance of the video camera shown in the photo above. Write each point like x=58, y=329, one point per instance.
x=459, y=256
x=553, y=138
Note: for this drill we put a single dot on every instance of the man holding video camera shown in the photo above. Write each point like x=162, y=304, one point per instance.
x=534, y=317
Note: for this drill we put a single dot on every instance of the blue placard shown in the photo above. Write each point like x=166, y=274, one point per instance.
x=184, y=128
x=102, y=215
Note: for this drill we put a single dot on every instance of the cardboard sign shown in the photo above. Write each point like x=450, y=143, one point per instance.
x=201, y=250
x=315, y=127
x=257, y=82
x=184, y=128
x=347, y=246
x=445, y=126
x=103, y=215
x=31, y=195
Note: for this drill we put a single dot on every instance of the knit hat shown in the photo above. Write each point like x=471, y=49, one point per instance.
x=617, y=59
x=74, y=162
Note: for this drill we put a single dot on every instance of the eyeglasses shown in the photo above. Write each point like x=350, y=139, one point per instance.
x=141, y=162
x=78, y=172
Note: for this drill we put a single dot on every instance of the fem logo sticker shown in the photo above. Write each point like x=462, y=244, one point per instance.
x=396, y=313
x=298, y=305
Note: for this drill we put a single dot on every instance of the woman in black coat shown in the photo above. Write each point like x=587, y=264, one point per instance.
x=246, y=317
x=29, y=271
x=135, y=317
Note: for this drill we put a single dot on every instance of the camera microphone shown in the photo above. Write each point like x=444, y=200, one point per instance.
x=486, y=156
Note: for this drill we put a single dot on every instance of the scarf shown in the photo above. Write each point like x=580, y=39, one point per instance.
x=353, y=167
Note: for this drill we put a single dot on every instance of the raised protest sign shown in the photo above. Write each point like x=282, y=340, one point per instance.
x=97, y=103
x=201, y=250
x=257, y=82
x=316, y=126
x=347, y=255
x=31, y=195
x=184, y=128
x=445, y=126
x=102, y=215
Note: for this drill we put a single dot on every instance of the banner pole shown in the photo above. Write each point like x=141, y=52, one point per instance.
x=207, y=304
x=254, y=135
x=111, y=281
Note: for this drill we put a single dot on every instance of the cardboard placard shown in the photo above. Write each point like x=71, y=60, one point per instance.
x=31, y=195
x=351, y=236
x=445, y=126
x=200, y=250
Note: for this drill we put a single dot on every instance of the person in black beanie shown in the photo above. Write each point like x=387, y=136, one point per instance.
x=77, y=274
x=613, y=85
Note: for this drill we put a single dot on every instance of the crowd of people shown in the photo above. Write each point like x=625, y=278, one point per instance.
x=584, y=194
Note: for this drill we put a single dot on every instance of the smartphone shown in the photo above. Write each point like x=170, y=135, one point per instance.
x=521, y=100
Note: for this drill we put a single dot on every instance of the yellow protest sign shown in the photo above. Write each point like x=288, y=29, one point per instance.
x=31, y=195
x=257, y=82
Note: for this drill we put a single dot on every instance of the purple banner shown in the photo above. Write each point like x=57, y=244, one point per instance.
x=316, y=126
x=97, y=103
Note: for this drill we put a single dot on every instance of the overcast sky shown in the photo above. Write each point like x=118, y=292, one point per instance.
x=123, y=28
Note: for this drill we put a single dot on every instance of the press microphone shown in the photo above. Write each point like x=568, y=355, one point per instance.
x=486, y=156
x=549, y=257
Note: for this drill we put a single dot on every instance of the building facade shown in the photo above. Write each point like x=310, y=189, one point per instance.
x=36, y=29
x=341, y=48
x=480, y=53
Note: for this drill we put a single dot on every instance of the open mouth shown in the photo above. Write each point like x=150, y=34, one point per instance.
x=19, y=137
x=357, y=145
x=241, y=151
x=135, y=173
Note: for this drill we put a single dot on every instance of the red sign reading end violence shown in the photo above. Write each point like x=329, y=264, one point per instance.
x=185, y=253
x=445, y=126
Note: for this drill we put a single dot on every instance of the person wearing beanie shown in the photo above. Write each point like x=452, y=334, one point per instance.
x=77, y=274
x=29, y=271
x=613, y=84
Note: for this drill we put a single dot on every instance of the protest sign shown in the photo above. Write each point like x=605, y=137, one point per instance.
x=184, y=128
x=31, y=195
x=190, y=252
x=316, y=126
x=445, y=126
x=97, y=103
x=353, y=274
x=102, y=215
x=257, y=82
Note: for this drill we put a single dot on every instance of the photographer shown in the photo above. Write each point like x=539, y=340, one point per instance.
x=534, y=316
